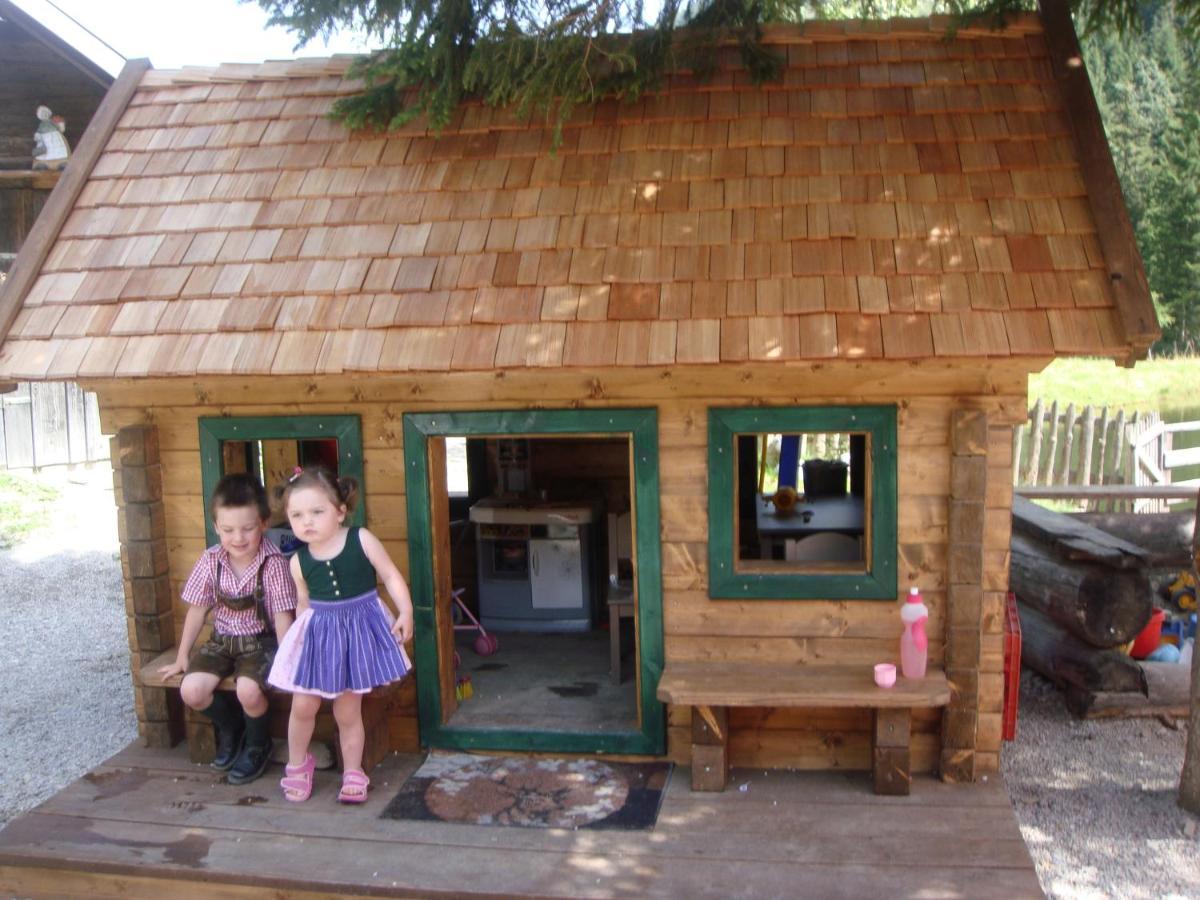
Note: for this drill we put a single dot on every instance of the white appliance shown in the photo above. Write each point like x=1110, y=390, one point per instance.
x=556, y=573
x=535, y=566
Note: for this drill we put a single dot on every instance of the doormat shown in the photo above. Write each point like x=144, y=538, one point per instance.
x=532, y=793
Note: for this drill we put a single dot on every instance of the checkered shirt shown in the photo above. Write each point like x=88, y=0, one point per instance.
x=279, y=589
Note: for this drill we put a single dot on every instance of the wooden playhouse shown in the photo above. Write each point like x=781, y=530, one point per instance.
x=873, y=253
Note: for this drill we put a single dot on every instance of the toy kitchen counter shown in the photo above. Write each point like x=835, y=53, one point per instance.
x=535, y=563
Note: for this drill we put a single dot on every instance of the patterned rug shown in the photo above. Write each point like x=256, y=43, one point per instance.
x=532, y=793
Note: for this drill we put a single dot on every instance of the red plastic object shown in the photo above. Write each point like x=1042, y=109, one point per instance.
x=1149, y=637
x=1012, y=668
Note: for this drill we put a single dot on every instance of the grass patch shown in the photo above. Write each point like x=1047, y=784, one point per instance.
x=24, y=507
x=1165, y=385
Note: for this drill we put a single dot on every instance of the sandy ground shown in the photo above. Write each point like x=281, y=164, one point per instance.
x=1095, y=800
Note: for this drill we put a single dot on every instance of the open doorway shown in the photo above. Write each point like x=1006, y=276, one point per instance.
x=530, y=547
x=543, y=606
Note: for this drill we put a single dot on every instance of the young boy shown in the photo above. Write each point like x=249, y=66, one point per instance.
x=247, y=582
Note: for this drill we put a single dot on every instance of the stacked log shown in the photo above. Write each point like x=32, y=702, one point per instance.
x=1081, y=595
x=1101, y=606
x=1166, y=537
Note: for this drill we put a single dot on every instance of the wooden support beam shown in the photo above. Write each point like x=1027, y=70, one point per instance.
x=710, y=748
x=710, y=719
x=970, y=440
x=37, y=179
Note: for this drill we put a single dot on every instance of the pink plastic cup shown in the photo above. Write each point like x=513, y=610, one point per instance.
x=885, y=675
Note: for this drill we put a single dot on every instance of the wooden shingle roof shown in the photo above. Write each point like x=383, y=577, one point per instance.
x=897, y=195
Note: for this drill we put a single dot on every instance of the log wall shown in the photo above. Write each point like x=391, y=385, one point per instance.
x=696, y=627
x=19, y=207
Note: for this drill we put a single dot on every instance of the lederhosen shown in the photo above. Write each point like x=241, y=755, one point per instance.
x=243, y=603
x=242, y=655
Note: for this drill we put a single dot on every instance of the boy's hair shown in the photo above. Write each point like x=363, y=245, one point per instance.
x=342, y=491
x=237, y=490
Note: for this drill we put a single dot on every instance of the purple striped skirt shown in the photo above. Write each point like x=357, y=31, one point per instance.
x=340, y=646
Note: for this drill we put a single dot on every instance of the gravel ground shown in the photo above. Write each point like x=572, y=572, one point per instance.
x=1096, y=800
x=64, y=654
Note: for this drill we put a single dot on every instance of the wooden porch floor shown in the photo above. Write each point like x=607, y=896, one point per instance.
x=148, y=822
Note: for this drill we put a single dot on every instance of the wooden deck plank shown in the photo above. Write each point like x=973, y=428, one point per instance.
x=149, y=821
x=815, y=786
x=970, y=837
x=59, y=884
x=346, y=865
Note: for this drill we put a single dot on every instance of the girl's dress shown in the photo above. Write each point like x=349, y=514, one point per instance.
x=343, y=641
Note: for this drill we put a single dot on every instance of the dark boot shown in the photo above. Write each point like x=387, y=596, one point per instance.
x=256, y=751
x=226, y=717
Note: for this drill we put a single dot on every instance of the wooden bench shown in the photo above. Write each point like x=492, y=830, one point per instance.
x=711, y=688
x=376, y=709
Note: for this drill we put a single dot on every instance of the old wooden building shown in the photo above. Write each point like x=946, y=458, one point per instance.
x=39, y=69
x=874, y=253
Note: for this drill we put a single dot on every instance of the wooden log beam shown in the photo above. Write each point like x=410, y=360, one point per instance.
x=1168, y=688
x=37, y=179
x=1074, y=540
x=1068, y=661
x=1166, y=537
x=1103, y=607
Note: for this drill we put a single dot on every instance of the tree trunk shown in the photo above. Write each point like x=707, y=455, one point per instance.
x=1103, y=607
x=1189, y=780
x=1166, y=537
x=1064, y=659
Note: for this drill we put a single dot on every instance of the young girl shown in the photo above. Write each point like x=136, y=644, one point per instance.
x=344, y=642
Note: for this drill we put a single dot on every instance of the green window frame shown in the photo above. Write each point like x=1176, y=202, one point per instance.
x=215, y=430
x=725, y=580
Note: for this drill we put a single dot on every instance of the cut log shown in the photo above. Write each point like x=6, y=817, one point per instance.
x=1103, y=607
x=1069, y=662
x=1073, y=539
x=1166, y=537
x=1168, y=690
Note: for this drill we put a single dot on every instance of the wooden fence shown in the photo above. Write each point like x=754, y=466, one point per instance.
x=1090, y=446
x=50, y=424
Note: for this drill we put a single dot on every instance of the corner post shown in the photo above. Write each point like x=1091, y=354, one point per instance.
x=141, y=528
x=964, y=593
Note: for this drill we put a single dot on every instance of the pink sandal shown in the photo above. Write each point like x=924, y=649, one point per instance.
x=297, y=781
x=354, y=787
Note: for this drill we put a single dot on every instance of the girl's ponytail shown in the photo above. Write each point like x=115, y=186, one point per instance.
x=342, y=491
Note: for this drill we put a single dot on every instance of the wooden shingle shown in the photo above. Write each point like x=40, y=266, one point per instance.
x=897, y=195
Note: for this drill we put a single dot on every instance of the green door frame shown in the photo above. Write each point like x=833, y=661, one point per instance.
x=641, y=426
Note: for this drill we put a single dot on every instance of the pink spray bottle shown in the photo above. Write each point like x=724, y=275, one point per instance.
x=914, y=643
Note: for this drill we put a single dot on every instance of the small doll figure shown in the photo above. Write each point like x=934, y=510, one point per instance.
x=50, y=150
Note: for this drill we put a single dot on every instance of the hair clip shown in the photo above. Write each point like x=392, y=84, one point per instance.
x=296, y=473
